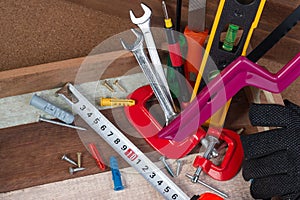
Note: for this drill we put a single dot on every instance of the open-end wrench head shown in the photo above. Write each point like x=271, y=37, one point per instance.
x=138, y=42
x=142, y=19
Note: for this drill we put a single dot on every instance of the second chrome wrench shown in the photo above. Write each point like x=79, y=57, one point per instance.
x=154, y=80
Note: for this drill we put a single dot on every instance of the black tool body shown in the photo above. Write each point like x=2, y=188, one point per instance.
x=240, y=13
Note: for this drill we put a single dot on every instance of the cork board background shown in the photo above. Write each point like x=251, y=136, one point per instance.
x=39, y=31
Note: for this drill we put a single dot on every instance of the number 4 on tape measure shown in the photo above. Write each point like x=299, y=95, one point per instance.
x=123, y=146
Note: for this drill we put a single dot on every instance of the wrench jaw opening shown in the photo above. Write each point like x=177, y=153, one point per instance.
x=141, y=20
x=137, y=43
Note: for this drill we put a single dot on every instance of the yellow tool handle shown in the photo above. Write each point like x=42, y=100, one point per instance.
x=253, y=26
x=207, y=49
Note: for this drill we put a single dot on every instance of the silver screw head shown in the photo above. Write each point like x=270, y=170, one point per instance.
x=168, y=168
x=65, y=157
x=106, y=84
x=119, y=86
x=73, y=170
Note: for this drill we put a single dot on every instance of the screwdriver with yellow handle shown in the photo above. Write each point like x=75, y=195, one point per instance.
x=176, y=60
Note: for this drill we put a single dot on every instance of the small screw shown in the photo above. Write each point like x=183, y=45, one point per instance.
x=119, y=86
x=106, y=84
x=64, y=157
x=168, y=168
x=73, y=170
x=79, y=159
x=178, y=169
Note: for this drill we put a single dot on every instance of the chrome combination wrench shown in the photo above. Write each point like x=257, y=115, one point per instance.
x=143, y=23
x=155, y=81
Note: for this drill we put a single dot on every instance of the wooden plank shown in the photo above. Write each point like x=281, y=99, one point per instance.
x=28, y=151
x=46, y=39
x=11, y=115
x=100, y=186
x=56, y=74
x=32, y=151
x=58, y=30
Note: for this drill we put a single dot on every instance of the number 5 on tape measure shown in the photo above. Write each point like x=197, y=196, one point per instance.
x=123, y=146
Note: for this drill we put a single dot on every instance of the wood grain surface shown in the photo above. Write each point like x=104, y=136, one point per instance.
x=31, y=154
x=39, y=38
x=31, y=151
x=100, y=186
x=56, y=74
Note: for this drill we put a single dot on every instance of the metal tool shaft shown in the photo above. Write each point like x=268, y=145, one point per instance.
x=155, y=81
x=144, y=24
x=207, y=154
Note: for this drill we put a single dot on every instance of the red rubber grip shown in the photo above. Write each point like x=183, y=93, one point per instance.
x=175, y=55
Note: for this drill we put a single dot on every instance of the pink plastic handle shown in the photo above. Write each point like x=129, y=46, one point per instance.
x=239, y=74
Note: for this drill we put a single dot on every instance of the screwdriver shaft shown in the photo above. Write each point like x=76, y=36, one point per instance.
x=164, y=8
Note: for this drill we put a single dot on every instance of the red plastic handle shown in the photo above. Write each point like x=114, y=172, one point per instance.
x=194, y=53
x=96, y=156
x=209, y=196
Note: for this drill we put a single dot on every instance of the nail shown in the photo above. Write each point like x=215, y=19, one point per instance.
x=119, y=86
x=79, y=159
x=178, y=169
x=105, y=83
x=64, y=157
x=61, y=124
x=163, y=160
x=73, y=170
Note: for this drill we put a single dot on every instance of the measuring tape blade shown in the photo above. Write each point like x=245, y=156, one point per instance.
x=123, y=146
